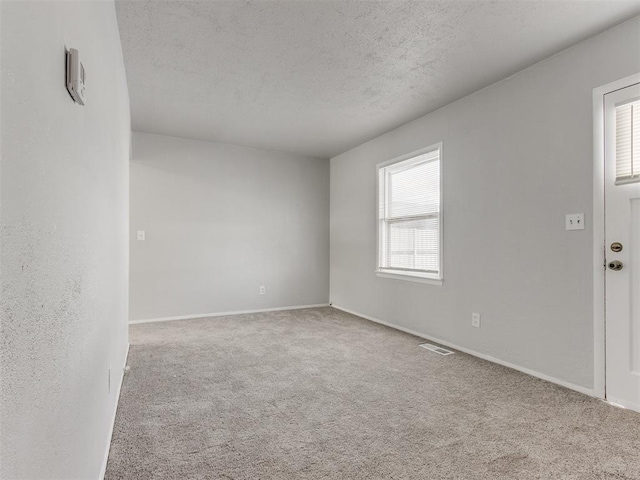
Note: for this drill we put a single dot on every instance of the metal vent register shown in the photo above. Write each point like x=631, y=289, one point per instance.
x=435, y=348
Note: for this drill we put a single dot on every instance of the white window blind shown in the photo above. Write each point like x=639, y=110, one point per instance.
x=409, y=216
x=628, y=143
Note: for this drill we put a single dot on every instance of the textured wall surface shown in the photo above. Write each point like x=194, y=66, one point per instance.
x=320, y=77
x=222, y=220
x=64, y=211
x=517, y=157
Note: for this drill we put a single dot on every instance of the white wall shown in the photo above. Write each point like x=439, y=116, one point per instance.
x=222, y=220
x=517, y=157
x=64, y=211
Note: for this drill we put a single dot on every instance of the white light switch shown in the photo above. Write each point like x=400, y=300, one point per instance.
x=141, y=235
x=574, y=221
x=76, y=76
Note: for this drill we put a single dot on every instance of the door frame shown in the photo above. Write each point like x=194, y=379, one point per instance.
x=599, y=335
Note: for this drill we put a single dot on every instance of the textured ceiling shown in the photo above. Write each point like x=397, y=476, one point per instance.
x=320, y=77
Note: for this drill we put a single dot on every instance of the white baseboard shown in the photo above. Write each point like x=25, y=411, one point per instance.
x=533, y=373
x=623, y=404
x=223, y=314
x=103, y=470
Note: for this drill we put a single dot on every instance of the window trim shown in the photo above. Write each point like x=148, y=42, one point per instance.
x=634, y=177
x=427, y=278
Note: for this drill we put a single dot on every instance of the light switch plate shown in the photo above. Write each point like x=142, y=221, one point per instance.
x=574, y=221
x=142, y=235
x=76, y=77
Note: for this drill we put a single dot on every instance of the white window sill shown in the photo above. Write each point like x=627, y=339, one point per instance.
x=409, y=277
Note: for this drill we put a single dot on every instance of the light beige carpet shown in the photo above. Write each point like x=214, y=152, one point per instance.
x=318, y=393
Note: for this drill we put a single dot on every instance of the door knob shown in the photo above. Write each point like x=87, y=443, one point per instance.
x=615, y=265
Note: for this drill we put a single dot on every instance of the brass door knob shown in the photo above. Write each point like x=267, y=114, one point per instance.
x=615, y=265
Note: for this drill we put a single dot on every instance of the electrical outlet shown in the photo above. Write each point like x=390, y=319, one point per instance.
x=142, y=235
x=475, y=320
x=263, y=290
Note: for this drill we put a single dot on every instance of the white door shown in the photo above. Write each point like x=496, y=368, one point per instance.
x=622, y=246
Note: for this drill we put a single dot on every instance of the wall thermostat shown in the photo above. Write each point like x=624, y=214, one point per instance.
x=76, y=76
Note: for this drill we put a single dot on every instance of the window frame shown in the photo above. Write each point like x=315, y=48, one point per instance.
x=634, y=177
x=412, y=276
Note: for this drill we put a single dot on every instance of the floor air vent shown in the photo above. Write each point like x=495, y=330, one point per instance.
x=435, y=348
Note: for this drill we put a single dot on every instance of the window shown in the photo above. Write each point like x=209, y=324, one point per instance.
x=410, y=217
x=628, y=143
